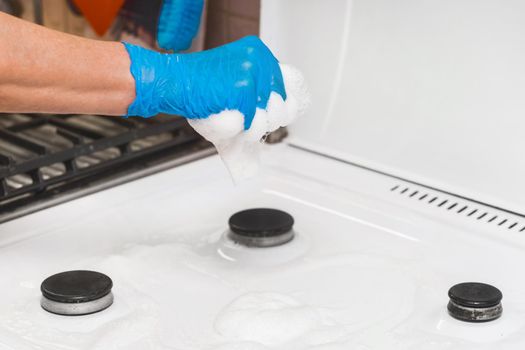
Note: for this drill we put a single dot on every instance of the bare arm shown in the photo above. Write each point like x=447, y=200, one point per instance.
x=42, y=70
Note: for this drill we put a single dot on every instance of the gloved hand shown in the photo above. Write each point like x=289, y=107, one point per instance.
x=237, y=76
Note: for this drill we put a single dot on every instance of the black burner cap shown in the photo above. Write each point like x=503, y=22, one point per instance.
x=76, y=286
x=261, y=222
x=475, y=295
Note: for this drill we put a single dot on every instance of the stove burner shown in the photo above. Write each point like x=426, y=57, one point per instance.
x=76, y=293
x=261, y=227
x=475, y=302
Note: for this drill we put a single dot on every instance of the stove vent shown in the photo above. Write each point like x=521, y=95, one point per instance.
x=453, y=205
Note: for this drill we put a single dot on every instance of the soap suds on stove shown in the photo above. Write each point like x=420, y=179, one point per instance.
x=239, y=148
x=175, y=291
x=267, y=318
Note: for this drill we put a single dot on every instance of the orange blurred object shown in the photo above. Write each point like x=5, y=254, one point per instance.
x=99, y=13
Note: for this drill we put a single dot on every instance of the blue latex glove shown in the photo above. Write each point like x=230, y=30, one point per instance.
x=240, y=75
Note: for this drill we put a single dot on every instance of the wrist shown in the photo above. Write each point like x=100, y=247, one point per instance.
x=146, y=67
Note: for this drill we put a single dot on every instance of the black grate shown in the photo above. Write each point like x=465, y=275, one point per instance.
x=38, y=152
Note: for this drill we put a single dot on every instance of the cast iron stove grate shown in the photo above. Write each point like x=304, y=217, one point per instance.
x=42, y=155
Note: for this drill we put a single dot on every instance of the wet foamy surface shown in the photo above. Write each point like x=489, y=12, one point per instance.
x=353, y=278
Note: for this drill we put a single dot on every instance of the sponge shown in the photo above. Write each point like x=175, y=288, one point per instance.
x=239, y=148
x=178, y=23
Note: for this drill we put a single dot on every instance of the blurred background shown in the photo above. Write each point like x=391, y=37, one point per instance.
x=223, y=20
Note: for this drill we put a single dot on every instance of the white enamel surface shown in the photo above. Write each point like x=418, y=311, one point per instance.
x=364, y=272
x=428, y=90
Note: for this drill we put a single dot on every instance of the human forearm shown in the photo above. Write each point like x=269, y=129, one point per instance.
x=42, y=70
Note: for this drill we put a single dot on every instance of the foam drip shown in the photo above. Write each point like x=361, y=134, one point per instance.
x=240, y=149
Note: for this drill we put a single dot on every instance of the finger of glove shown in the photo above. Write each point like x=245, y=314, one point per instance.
x=270, y=76
x=263, y=77
x=277, y=83
x=245, y=98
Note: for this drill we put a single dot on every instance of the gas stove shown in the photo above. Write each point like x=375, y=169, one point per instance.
x=392, y=217
x=369, y=266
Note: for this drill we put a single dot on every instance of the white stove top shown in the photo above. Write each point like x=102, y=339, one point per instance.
x=369, y=268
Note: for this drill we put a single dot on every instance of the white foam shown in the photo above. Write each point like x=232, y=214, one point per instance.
x=240, y=149
x=267, y=318
x=241, y=346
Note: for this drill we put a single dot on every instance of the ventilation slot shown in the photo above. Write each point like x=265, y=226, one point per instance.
x=452, y=205
x=482, y=215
